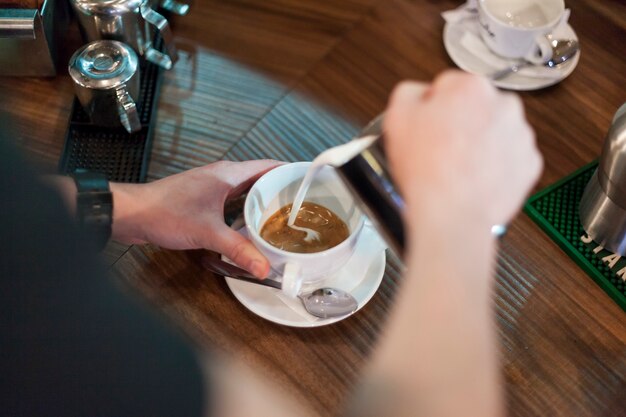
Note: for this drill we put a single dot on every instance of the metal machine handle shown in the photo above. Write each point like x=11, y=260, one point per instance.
x=18, y=23
x=176, y=7
x=611, y=171
x=160, y=23
x=127, y=110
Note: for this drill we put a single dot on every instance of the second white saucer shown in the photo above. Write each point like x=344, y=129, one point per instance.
x=467, y=60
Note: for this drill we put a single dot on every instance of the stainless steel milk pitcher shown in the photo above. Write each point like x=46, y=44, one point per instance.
x=368, y=178
x=133, y=22
x=106, y=81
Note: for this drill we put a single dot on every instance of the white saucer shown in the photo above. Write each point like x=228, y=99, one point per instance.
x=272, y=305
x=468, y=61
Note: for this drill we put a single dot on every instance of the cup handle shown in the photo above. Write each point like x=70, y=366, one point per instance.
x=541, y=52
x=160, y=23
x=127, y=111
x=292, y=280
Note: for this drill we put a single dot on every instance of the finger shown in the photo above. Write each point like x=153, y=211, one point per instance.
x=408, y=92
x=402, y=104
x=244, y=174
x=241, y=251
x=464, y=87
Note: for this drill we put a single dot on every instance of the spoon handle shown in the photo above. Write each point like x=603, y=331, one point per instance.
x=231, y=271
x=498, y=75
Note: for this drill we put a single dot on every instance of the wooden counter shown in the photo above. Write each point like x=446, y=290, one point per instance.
x=286, y=79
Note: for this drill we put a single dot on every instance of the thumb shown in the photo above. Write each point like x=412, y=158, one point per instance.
x=241, y=251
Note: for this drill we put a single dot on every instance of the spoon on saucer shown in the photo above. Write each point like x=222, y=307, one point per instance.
x=562, y=51
x=323, y=303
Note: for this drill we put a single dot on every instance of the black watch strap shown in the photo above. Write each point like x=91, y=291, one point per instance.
x=94, y=205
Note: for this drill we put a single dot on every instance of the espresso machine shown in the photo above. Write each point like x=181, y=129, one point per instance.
x=30, y=32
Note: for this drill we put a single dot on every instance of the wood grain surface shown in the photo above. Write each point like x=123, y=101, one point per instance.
x=286, y=79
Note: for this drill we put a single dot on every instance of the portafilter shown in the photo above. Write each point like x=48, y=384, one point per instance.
x=133, y=22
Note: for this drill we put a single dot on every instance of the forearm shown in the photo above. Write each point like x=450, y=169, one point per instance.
x=235, y=390
x=129, y=212
x=438, y=355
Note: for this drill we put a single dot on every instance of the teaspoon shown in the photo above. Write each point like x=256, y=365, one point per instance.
x=323, y=303
x=562, y=51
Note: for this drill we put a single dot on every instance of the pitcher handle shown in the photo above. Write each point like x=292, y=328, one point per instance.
x=176, y=7
x=127, y=110
x=160, y=23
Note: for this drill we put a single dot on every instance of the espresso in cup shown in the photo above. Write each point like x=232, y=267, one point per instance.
x=332, y=230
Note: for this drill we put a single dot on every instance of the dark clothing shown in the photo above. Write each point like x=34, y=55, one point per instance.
x=70, y=343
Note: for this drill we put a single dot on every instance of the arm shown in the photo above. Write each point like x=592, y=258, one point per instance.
x=438, y=356
x=464, y=158
x=240, y=391
x=183, y=211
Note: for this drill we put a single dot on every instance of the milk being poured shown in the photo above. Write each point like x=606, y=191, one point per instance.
x=335, y=157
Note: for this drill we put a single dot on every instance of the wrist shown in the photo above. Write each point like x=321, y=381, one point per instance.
x=447, y=217
x=127, y=213
x=452, y=244
x=451, y=230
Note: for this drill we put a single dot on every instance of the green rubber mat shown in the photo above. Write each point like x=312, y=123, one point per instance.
x=555, y=210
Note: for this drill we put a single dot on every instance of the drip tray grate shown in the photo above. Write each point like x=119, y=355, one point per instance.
x=122, y=156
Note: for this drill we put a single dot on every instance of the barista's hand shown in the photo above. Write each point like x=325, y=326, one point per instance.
x=464, y=158
x=459, y=147
x=186, y=211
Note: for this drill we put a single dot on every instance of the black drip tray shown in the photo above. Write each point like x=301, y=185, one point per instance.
x=122, y=156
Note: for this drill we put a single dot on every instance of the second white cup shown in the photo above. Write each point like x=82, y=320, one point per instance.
x=520, y=28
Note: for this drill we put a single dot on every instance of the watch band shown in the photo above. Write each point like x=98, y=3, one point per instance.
x=94, y=205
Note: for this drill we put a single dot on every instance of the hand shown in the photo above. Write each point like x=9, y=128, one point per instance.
x=186, y=211
x=460, y=147
x=464, y=158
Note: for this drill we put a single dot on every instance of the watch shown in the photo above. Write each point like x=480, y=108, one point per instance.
x=94, y=205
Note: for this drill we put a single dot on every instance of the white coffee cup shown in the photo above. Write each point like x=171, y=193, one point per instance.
x=520, y=28
x=276, y=189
